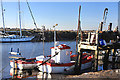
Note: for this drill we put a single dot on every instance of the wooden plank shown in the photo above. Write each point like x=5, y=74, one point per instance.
x=84, y=42
x=88, y=47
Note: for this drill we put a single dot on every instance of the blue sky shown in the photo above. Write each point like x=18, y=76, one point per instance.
x=65, y=14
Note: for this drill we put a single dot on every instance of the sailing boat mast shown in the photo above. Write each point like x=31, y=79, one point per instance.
x=19, y=18
x=3, y=17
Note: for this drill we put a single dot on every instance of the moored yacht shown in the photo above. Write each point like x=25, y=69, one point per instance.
x=13, y=38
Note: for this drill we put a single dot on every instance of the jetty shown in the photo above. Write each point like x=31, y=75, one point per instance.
x=104, y=45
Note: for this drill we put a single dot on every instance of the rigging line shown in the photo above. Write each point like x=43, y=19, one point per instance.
x=58, y=36
x=71, y=42
x=31, y=14
x=3, y=68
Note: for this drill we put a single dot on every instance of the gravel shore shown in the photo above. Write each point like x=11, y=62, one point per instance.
x=101, y=74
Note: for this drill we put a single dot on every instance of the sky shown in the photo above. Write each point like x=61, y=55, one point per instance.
x=65, y=14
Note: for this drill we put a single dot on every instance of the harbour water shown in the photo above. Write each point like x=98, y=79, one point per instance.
x=28, y=50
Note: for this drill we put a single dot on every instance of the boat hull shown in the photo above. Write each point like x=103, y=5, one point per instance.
x=23, y=64
x=27, y=66
x=59, y=68
x=25, y=39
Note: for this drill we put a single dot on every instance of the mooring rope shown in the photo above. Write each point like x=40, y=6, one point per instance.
x=31, y=14
x=3, y=68
x=71, y=42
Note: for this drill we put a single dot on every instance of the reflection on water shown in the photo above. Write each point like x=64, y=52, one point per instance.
x=43, y=75
x=15, y=73
x=34, y=74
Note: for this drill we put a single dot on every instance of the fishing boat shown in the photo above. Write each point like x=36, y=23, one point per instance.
x=61, y=62
x=13, y=38
x=23, y=63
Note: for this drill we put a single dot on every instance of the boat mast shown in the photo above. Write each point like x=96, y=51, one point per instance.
x=78, y=30
x=43, y=37
x=19, y=18
x=54, y=35
x=3, y=17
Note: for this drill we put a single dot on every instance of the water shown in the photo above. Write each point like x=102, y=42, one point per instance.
x=28, y=50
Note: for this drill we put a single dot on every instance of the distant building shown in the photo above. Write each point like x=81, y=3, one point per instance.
x=119, y=15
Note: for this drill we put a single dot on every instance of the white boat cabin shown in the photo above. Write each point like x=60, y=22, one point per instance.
x=63, y=54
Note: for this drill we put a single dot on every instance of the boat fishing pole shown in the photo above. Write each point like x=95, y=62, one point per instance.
x=56, y=53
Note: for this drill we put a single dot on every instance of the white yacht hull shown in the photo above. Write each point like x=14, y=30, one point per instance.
x=24, y=39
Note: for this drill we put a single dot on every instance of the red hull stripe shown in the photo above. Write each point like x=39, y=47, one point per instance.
x=65, y=64
x=86, y=61
x=26, y=62
x=85, y=57
x=73, y=56
x=57, y=65
x=61, y=47
x=23, y=62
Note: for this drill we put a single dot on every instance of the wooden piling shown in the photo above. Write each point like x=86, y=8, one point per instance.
x=97, y=50
x=100, y=26
x=110, y=27
x=96, y=60
x=76, y=63
x=113, y=59
x=80, y=61
x=105, y=60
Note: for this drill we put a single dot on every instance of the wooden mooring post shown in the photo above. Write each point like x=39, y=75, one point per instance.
x=105, y=59
x=78, y=62
x=113, y=59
